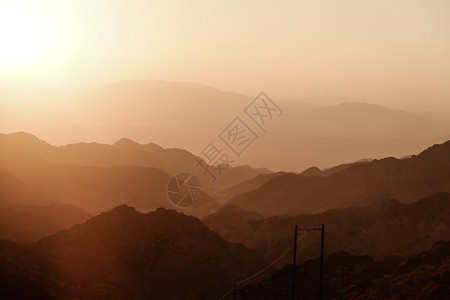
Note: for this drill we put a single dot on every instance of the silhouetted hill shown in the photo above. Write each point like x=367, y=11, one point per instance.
x=314, y=171
x=124, y=254
x=421, y=276
x=30, y=222
x=93, y=188
x=360, y=184
x=88, y=154
x=98, y=177
x=180, y=160
x=384, y=228
x=123, y=153
x=247, y=185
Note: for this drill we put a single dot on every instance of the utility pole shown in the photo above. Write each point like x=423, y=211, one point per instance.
x=342, y=269
x=322, y=230
x=294, y=263
x=321, y=262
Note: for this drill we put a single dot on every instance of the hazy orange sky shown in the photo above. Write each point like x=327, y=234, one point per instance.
x=386, y=52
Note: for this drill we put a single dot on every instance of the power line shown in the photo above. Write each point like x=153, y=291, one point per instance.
x=322, y=230
x=260, y=271
x=294, y=246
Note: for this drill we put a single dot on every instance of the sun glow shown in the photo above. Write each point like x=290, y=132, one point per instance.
x=26, y=34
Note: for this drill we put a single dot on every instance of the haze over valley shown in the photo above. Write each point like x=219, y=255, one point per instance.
x=224, y=150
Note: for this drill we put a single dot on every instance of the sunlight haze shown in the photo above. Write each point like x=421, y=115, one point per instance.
x=206, y=149
x=387, y=52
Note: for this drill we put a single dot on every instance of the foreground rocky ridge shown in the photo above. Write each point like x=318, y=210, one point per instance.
x=124, y=254
x=382, y=229
x=421, y=276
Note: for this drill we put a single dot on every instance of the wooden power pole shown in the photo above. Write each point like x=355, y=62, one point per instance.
x=294, y=262
x=321, y=262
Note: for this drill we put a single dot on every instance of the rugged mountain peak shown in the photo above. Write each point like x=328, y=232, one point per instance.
x=312, y=171
x=121, y=210
x=437, y=149
x=134, y=253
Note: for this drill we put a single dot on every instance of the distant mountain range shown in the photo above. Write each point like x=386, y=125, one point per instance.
x=386, y=227
x=359, y=184
x=259, y=180
x=98, y=177
x=248, y=185
x=136, y=248
x=122, y=153
x=124, y=254
x=188, y=115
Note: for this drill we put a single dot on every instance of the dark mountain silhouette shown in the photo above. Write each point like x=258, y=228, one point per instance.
x=421, y=276
x=124, y=254
x=247, y=185
x=314, y=171
x=360, y=184
x=93, y=188
x=98, y=177
x=180, y=160
x=30, y=222
x=382, y=229
x=123, y=153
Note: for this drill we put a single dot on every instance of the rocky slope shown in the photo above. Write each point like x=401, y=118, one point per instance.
x=382, y=229
x=124, y=254
x=420, y=276
x=360, y=184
